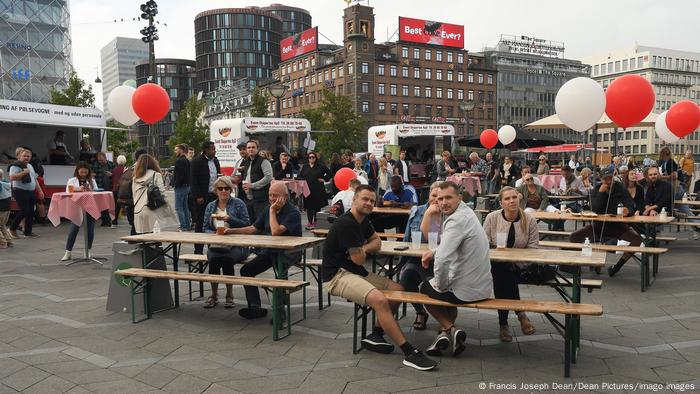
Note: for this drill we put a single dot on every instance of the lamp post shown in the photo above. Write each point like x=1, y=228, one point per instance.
x=466, y=106
x=277, y=91
x=150, y=34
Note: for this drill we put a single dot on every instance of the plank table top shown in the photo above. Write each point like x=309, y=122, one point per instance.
x=689, y=202
x=391, y=210
x=601, y=218
x=256, y=241
x=222, y=279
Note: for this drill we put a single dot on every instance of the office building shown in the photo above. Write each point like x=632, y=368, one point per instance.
x=294, y=19
x=118, y=62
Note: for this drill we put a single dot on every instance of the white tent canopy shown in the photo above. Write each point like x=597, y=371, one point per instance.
x=553, y=122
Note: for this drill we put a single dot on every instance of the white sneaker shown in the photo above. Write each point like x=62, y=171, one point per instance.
x=66, y=256
x=89, y=255
x=695, y=235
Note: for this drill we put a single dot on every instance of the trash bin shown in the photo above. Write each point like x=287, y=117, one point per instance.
x=119, y=297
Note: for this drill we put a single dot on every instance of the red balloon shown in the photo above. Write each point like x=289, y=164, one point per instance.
x=342, y=178
x=629, y=99
x=683, y=118
x=151, y=102
x=488, y=138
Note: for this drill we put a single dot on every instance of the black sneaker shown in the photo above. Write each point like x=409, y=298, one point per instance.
x=376, y=343
x=418, y=361
x=252, y=313
x=441, y=343
x=458, y=338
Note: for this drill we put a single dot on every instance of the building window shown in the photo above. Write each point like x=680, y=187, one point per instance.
x=416, y=53
x=470, y=95
x=428, y=110
x=617, y=66
x=438, y=93
x=394, y=108
x=428, y=92
x=380, y=89
x=416, y=110
x=428, y=54
x=365, y=106
x=404, y=72
x=380, y=69
x=351, y=69
x=489, y=97
x=313, y=79
x=450, y=111
x=333, y=73
x=470, y=78
x=381, y=107
x=624, y=65
x=438, y=56
x=449, y=57
x=365, y=68
x=392, y=90
x=325, y=75
x=596, y=69
x=428, y=73
x=460, y=58
x=438, y=110
x=340, y=71
x=449, y=75
x=489, y=79
x=365, y=87
x=404, y=90
x=449, y=94
x=404, y=51
x=633, y=63
x=294, y=66
x=460, y=94
x=416, y=72
x=481, y=78
x=644, y=134
x=438, y=75
x=635, y=134
x=490, y=114
x=416, y=91
x=404, y=109
x=392, y=71
x=460, y=76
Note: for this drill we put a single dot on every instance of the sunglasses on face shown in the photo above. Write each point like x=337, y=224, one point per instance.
x=312, y=157
x=223, y=188
x=528, y=180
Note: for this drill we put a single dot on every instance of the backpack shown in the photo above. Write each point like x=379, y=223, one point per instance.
x=125, y=195
x=335, y=210
x=154, y=197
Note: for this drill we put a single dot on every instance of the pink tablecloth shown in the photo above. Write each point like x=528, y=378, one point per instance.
x=550, y=181
x=72, y=205
x=297, y=186
x=471, y=184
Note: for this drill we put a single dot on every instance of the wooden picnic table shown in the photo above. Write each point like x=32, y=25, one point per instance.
x=176, y=239
x=689, y=202
x=601, y=218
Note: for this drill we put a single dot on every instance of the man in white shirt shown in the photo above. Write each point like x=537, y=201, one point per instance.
x=402, y=167
x=346, y=195
x=524, y=171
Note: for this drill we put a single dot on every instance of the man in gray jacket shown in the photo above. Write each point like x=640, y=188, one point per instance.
x=462, y=266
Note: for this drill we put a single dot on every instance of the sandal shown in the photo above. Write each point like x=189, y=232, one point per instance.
x=505, y=334
x=420, y=323
x=229, y=303
x=210, y=302
x=525, y=325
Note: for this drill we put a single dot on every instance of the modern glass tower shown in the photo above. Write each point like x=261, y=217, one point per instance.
x=35, y=48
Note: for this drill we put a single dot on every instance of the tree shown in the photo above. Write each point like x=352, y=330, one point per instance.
x=189, y=128
x=259, y=108
x=119, y=141
x=336, y=113
x=75, y=94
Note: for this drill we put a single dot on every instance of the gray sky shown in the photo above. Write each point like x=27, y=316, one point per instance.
x=585, y=27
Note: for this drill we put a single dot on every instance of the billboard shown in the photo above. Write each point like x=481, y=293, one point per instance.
x=430, y=32
x=299, y=44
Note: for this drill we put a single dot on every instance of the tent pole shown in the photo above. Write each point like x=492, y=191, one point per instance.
x=615, y=142
x=595, y=144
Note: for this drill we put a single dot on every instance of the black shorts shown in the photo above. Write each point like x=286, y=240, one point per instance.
x=448, y=296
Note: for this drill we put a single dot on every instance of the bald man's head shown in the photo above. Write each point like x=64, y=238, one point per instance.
x=277, y=190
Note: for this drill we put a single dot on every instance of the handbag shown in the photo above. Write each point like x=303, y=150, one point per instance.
x=537, y=274
x=154, y=195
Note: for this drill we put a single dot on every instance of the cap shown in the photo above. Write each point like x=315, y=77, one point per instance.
x=242, y=142
x=606, y=172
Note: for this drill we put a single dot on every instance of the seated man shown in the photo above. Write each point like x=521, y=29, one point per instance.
x=461, y=264
x=350, y=239
x=346, y=195
x=397, y=197
x=604, y=200
x=658, y=195
x=524, y=171
x=280, y=217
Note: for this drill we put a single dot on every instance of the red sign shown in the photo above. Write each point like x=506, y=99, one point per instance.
x=429, y=32
x=299, y=44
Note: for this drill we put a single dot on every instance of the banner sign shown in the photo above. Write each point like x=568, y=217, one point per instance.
x=430, y=32
x=416, y=129
x=256, y=125
x=532, y=46
x=299, y=44
x=27, y=112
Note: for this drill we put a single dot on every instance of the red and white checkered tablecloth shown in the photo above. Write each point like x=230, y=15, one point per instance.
x=550, y=181
x=72, y=205
x=298, y=186
x=472, y=184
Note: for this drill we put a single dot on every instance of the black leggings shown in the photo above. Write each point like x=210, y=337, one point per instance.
x=412, y=274
x=505, y=286
x=311, y=214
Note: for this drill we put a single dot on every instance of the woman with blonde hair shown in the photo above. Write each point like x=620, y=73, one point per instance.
x=542, y=166
x=146, y=172
x=384, y=176
x=521, y=230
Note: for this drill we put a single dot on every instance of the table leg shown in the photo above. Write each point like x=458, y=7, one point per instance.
x=176, y=258
x=576, y=319
x=86, y=256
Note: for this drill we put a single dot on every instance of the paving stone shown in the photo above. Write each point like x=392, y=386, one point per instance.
x=91, y=376
x=25, y=378
x=52, y=384
x=119, y=386
x=266, y=384
x=156, y=375
x=185, y=383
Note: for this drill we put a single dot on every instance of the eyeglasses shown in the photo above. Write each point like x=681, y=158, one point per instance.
x=223, y=188
x=541, y=159
x=312, y=157
x=527, y=180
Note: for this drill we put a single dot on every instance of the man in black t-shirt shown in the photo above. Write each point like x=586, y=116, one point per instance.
x=350, y=239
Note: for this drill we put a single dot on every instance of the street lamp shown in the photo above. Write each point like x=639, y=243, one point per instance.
x=277, y=91
x=150, y=34
x=466, y=106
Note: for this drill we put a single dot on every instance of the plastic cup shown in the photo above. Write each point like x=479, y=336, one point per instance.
x=220, y=230
x=416, y=239
x=432, y=240
x=501, y=240
x=562, y=207
x=71, y=188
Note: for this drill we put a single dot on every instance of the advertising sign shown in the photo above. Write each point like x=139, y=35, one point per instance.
x=257, y=125
x=532, y=45
x=417, y=129
x=299, y=44
x=225, y=137
x=431, y=32
x=379, y=136
x=21, y=111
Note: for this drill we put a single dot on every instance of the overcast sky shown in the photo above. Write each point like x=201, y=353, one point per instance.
x=585, y=27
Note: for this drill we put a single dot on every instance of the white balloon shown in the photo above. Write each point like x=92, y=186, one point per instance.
x=362, y=180
x=662, y=130
x=119, y=105
x=580, y=103
x=506, y=134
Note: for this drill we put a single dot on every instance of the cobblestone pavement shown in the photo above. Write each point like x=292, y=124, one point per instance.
x=56, y=336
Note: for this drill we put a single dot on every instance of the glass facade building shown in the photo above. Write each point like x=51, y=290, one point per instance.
x=177, y=77
x=35, y=48
x=294, y=19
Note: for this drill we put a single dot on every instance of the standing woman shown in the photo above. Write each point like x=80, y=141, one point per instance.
x=444, y=166
x=522, y=233
x=146, y=172
x=315, y=174
x=116, y=180
x=542, y=166
x=24, y=186
x=509, y=172
x=82, y=181
x=384, y=176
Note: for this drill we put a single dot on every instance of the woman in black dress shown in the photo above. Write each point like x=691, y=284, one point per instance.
x=315, y=175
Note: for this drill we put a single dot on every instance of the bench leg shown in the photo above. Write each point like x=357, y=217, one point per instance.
x=201, y=267
x=276, y=323
x=359, y=314
x=568, y=345
x=644, y=268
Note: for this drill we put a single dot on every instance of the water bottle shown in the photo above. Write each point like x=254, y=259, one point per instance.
x=685, y=198
x=587, y=250
x=156, y=228
x=620, y=210
x=663, y=215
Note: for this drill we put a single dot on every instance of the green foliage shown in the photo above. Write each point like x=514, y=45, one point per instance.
x=119, y=142
x=75, y=94
x=189, y=128
x=336, y=113
x=260, y=99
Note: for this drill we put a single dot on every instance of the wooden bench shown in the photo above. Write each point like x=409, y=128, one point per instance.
x=571, y=311
x=588, y=284
x=551, y=233
x=277, y=286
x=322, y=232
x=644, y=261
x=316, y=269
x=195, y=263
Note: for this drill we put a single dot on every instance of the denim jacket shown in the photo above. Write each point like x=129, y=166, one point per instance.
x=236, y=211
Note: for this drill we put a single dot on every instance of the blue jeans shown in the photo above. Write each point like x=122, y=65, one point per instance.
x=73, y=233
x=181, y=206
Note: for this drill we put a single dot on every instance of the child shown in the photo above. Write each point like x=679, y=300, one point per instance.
x=5, y=196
